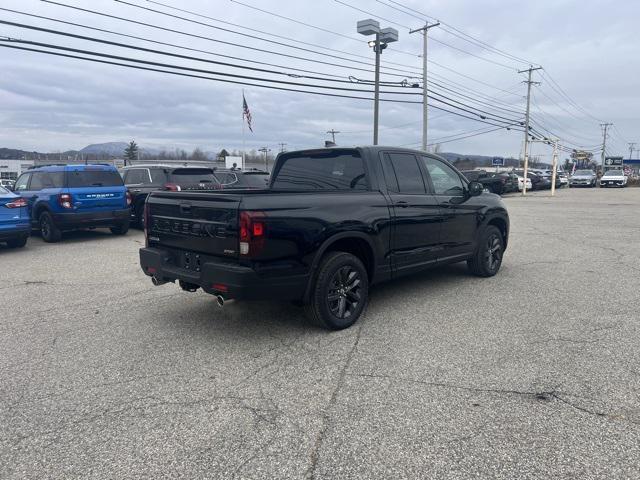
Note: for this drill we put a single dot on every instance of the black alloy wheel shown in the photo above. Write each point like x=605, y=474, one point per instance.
x=50, y=233
x=493, y=252
x=343, y=296
x=340, y=291
x=487, y=258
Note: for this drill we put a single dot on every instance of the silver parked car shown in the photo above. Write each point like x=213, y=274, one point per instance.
x=583, y=178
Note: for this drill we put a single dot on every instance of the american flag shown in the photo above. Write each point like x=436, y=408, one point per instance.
x=246, y=113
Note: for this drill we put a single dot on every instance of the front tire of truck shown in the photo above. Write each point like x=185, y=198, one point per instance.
x=340, y=293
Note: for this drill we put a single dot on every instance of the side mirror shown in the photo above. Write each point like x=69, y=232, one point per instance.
x=475, y=189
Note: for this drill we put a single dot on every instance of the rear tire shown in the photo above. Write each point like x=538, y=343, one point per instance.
x=17, y=242
x=340, y=292
x=120, y=229
x=50, y=233
x=487, y=259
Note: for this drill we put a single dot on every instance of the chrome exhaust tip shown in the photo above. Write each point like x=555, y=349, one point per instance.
x=157, y=281
x=220, y=300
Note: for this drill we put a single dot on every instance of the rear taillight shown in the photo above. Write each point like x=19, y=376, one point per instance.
x=128, y=198
x=172, y=187
x=64, y=200
x=17, y=203
x=252, y=233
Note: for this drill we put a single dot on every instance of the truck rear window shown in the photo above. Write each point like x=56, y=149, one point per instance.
x=94, y=178
x=331, y=170
x=193, y=176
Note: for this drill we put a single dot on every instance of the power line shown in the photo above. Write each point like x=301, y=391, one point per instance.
x=471, y=39
x=191, y=69
x=404, y=73
x=178, y=73
x=434, y=39
x=254, y=37
x=158, y=42
x=263, y=32
x=151, y=66
x=176, y=55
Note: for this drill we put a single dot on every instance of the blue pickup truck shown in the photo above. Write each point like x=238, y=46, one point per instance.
x=69, y=197
x=14, y=219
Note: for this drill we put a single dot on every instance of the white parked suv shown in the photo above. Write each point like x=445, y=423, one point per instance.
x=613, y=178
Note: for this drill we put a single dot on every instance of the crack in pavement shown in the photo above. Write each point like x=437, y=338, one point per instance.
x=543, y=395
x=326, y=417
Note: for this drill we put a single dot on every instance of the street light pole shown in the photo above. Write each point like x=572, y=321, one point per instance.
x=376, y=90
x=383, y=37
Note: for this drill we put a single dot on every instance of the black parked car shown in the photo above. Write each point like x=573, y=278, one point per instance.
x=537, y=182
x=495, y=184
x=332, y=222
x=144, y=179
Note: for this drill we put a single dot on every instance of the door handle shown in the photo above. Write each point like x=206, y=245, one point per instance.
x=136, y=190
x=402, y=203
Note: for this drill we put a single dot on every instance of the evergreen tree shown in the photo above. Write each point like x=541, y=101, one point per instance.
x=131, y=152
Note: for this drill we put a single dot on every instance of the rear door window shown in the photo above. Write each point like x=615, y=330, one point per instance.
x=403, y=174
x=158, y=176
x=137, y=176
x=324, y=170
x=42, y=180
x=94, y=178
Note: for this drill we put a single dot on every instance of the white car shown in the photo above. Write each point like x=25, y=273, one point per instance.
x=521, y=183
x=613, y=178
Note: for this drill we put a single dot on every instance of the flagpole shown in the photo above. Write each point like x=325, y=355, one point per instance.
x=243, y=143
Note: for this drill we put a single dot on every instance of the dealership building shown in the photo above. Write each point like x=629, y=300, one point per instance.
x=12, y=168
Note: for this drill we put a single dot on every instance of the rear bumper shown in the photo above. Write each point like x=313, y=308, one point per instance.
x=91, y=219
x=239, y=282
x=20, y=231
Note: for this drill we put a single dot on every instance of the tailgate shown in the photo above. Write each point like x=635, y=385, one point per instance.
x=98, y=198
x=198, y=222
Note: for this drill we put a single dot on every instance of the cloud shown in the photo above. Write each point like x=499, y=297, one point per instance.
x=52, y=103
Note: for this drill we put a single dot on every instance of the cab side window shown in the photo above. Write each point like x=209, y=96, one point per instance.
x=402, y=173
x=42, y=180
x=137, y=176
x=23, y=182
x=445, y=179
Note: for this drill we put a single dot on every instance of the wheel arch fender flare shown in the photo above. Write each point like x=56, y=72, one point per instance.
x=326, y=245
x=38, y=208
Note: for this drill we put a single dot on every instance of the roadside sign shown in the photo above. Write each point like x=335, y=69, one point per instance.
x=497, y=162
x=613, y=161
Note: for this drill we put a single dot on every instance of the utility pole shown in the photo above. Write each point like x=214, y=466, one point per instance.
x=282, y=145
x=604, y=126
x=333, y=134
x=632, y=147
x=265, y=150
x=425, y=109
x=526, y=126
x=554, y=164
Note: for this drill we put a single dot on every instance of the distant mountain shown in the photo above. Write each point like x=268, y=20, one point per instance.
x=115, y=149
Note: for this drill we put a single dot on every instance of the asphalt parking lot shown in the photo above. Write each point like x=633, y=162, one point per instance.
x=533, y=373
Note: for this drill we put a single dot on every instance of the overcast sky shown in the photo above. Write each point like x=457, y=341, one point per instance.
x=590, y=48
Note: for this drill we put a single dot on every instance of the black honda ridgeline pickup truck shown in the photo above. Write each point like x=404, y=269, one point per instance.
x=331, y=223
